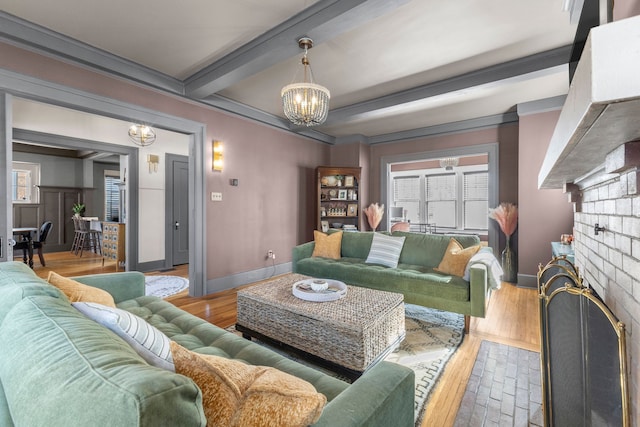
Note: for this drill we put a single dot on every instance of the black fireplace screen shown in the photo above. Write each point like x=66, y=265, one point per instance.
x=583, y=353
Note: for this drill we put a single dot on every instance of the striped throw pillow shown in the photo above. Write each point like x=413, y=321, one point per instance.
x=385, y=250
x=147, y=340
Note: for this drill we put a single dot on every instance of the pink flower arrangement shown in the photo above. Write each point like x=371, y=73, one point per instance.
x=506, y=215
x=374, y=214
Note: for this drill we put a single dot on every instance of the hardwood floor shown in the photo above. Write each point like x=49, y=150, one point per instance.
x=512, y=319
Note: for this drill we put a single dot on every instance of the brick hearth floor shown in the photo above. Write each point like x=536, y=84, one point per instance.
x=503, y=390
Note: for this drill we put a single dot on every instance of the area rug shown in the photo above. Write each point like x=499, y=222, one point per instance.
x=164, y=286
x=503, y=389
x=432, y=336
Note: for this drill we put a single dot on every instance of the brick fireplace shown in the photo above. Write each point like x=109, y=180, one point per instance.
x=609, y=261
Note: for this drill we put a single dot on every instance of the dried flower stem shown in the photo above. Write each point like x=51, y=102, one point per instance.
x=374, y=214
x=506, y=215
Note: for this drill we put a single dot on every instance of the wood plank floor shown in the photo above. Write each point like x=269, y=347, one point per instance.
x=512, y=319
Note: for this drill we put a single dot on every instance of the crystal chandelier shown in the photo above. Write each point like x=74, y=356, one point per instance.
x=306, y=103
x=142, y=135
x=448, y=163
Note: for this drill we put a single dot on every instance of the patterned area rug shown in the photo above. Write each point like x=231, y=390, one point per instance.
x=164, y=286
x=432, y=337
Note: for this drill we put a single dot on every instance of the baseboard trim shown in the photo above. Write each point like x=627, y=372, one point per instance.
x=527, y=281
x=152, y=266
x=235, y=280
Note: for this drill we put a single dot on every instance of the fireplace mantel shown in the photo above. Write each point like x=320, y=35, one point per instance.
x=602, y=108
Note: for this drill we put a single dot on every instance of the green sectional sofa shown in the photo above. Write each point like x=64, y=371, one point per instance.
x=414, y=277
x=59, y=368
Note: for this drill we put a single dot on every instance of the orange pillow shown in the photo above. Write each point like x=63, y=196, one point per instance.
x=327, y=245
x=235, y=394
x=79, y=292
x=456, y=258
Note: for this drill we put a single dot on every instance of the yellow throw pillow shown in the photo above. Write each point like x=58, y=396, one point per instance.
x=456, y=258
x=79, y=292
x=327, y=245
x=235, y=394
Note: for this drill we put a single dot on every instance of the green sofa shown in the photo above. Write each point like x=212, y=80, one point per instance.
x=58, y=368
x=414, y=277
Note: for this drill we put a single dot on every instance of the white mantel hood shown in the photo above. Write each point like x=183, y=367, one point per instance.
x=602, y=109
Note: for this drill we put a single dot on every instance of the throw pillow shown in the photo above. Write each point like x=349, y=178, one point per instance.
x=151, y=344
x=385, y=250
x=235, y=394
x=79, y=292
x=456, y=258
x=327, y=245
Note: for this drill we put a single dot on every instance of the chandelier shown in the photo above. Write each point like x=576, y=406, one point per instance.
x=448, y=163
x=142, y=135
x=306, y=103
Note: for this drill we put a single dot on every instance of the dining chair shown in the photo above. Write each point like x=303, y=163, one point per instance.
x=23, y=245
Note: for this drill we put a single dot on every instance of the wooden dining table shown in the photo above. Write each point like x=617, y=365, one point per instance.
x=26, y=234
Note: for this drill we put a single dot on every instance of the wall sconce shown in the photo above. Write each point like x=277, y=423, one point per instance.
x=153, y=160
x=217, y=156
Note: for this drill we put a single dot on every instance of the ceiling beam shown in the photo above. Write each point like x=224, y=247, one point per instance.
x=321, y=21
x=496, y=74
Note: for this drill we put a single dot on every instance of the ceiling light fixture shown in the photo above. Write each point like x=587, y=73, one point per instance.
x=306, y=103
x=142, y=135
x=448, y=163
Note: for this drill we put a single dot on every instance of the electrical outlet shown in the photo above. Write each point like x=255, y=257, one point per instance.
x=271, y=254
x=216, y=197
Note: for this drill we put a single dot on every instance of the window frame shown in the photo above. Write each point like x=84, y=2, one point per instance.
x=34, y=181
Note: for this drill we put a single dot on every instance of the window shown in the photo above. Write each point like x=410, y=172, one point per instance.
x=455, y=200
x=111, y=196
x=25, y=180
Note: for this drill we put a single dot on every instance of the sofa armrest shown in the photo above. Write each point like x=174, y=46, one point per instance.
x=122, y=286
x=383, y=396
x=479, y=289
x=302, y=251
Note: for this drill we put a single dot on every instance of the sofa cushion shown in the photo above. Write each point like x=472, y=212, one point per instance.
x=406, y=278
x=427, y=250
x=385, y=250
x=236, y=394
x=456, y=258
x=18, y=281
x=83, y=373
x=327, y=245
x=356, y=245
x=151, y=344
x=79, y=292
x=203, y=337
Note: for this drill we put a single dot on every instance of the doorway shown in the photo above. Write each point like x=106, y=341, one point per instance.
x=177, y=210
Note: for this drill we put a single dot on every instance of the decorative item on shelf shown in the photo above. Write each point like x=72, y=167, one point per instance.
x=339, y=178
x=306, y=103
x=78, y=209
x=506, y=215
x=374, y=214
x=218, y=156
x=153, y=160
x=448, y=163
x=142, y=135
x=352, y=209
x=348, y=181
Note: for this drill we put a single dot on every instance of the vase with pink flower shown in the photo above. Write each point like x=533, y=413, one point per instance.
x=506, y=215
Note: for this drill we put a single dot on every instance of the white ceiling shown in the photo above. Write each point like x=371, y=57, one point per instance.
x=391, y=66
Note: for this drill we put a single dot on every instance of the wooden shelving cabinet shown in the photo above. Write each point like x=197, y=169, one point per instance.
x=113, y=243
x=338, y=198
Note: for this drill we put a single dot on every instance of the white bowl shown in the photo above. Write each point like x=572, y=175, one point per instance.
x=319, y=285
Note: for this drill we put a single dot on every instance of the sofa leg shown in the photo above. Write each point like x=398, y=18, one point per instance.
x=467, y=322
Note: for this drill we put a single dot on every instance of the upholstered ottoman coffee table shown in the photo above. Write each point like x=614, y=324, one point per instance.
x=347, y=335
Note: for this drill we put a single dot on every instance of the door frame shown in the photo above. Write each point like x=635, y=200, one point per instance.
x=168, y=207
x=28, y=87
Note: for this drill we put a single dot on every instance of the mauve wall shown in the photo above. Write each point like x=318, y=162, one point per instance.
x=270, y=209
x=543, y=215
